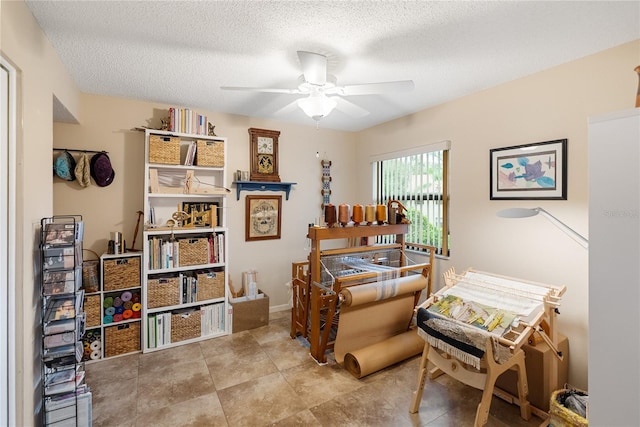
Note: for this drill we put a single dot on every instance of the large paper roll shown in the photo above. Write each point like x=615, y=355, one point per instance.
x=378, y=356
x=375, y=312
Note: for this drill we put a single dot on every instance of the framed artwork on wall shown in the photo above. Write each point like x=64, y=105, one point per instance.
x=535, y=171
x=263, y=217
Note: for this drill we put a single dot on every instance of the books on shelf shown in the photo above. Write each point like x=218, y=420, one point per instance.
x=186, y=120
x=212, y=321
x=165, y=254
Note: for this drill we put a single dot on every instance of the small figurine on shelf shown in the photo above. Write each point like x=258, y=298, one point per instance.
x=165, y=123
x=211, y=130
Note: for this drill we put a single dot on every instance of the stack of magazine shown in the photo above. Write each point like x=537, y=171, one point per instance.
x=67, y=399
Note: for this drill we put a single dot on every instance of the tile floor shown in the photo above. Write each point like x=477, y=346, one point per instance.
x=263, y=377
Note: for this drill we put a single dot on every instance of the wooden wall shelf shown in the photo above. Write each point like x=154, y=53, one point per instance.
x=263, y=186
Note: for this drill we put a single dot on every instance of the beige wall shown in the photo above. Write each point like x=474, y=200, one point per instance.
x=108, y=124
x=553, y=104
x=41, y=75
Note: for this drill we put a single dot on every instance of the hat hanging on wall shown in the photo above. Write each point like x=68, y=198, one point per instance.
x=82, y=170
x=64, y=166
x=101, y=169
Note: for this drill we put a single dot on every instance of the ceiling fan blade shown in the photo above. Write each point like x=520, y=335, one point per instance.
x=262, y=89
x=287, y=109
x=349, y=108
x=314, y=67
x=373, y=88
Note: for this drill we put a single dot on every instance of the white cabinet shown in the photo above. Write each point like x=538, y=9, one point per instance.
x=614, y=272
x=185, y=256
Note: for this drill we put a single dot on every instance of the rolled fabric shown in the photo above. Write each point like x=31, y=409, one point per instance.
x=95, y=355
x=95, y=345
x=119, y=309
x=107, y=319
x=126, y=296
x=127, y=305
x=127, y=314
x=110, y=311
x=135, y=298
x=136, y=306
x=137, y=314
x=117, y=318
x=108, y=302
x=117, y=302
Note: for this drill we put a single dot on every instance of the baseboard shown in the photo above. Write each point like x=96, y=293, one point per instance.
x=277, y=308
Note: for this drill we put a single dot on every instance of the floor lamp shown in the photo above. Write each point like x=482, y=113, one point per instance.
x=526, y=212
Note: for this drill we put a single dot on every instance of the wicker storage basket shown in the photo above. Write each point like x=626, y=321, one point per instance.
x=210, y=153
x=121, y=273
x=185, y=325
x=121, y=339
x=163, y=292
x=164, y=149
x=193, y=251
x=92, y=308
x=560, y=416
x=210, y=285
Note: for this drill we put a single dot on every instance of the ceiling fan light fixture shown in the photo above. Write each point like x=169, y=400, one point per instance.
x=317, y=106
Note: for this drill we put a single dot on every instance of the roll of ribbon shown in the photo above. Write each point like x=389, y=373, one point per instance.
x=381, y=214
x=119, y=309
x=87, y=351
x=127, y=314
x=117, y=302
x=108, y=302
x=95, y=355
x=137, y=314
x=370, y=214
x=343, y=214
x=95, y=345
x=136, y=307
x=86, y=345
x=127, y=305
x=357, y=214
x=135, y=298
x=110, y=311
x=107, y=319
x=126, y=296
x=117, y=317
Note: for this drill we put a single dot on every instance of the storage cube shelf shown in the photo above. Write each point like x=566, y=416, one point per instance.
x=117, y=302
x=184, y=263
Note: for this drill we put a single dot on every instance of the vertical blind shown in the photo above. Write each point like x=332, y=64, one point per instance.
x=417, y=179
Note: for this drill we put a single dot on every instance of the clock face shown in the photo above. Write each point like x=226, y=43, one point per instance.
x=265, y=145
x=265, y=163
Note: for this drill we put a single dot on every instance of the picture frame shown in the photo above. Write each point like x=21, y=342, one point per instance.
x=536, y=171
x=263, y=217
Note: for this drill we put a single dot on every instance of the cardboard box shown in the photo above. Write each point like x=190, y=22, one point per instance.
x=250, y=314
x=538, y=363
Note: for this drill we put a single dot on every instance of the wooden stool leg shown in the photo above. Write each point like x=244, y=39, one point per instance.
x=523, y=388
x=422, y=376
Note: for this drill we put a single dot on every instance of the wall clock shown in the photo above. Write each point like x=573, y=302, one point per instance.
x=264, y=155
x=263, y=217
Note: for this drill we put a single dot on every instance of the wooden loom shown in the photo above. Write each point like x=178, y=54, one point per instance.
x=316, y=288
x=536, y=306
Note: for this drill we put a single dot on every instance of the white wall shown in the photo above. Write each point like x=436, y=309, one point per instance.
x=550, y=105
x=40, y=76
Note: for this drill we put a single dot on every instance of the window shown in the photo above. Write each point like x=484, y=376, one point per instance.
x=418, y=179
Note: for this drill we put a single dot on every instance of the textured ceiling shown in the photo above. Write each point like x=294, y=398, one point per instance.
x=181, y=52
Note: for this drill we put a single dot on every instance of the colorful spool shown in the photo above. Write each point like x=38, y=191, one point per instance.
x=381, y=214
x=108, y=302
x=343, y=214
x=119, y=309
x=110, y=311
x=126, y=296
x=137, y=314
x=107, y=319
x=135, y=298
x=117, y=317
x=330, y=214
x=117, y=302
x=357, y=214
x=127, y=314
x=127, y=305
x=136, y=307
x=370, y=214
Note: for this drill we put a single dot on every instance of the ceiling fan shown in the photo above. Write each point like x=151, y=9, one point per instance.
x=322, y=93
